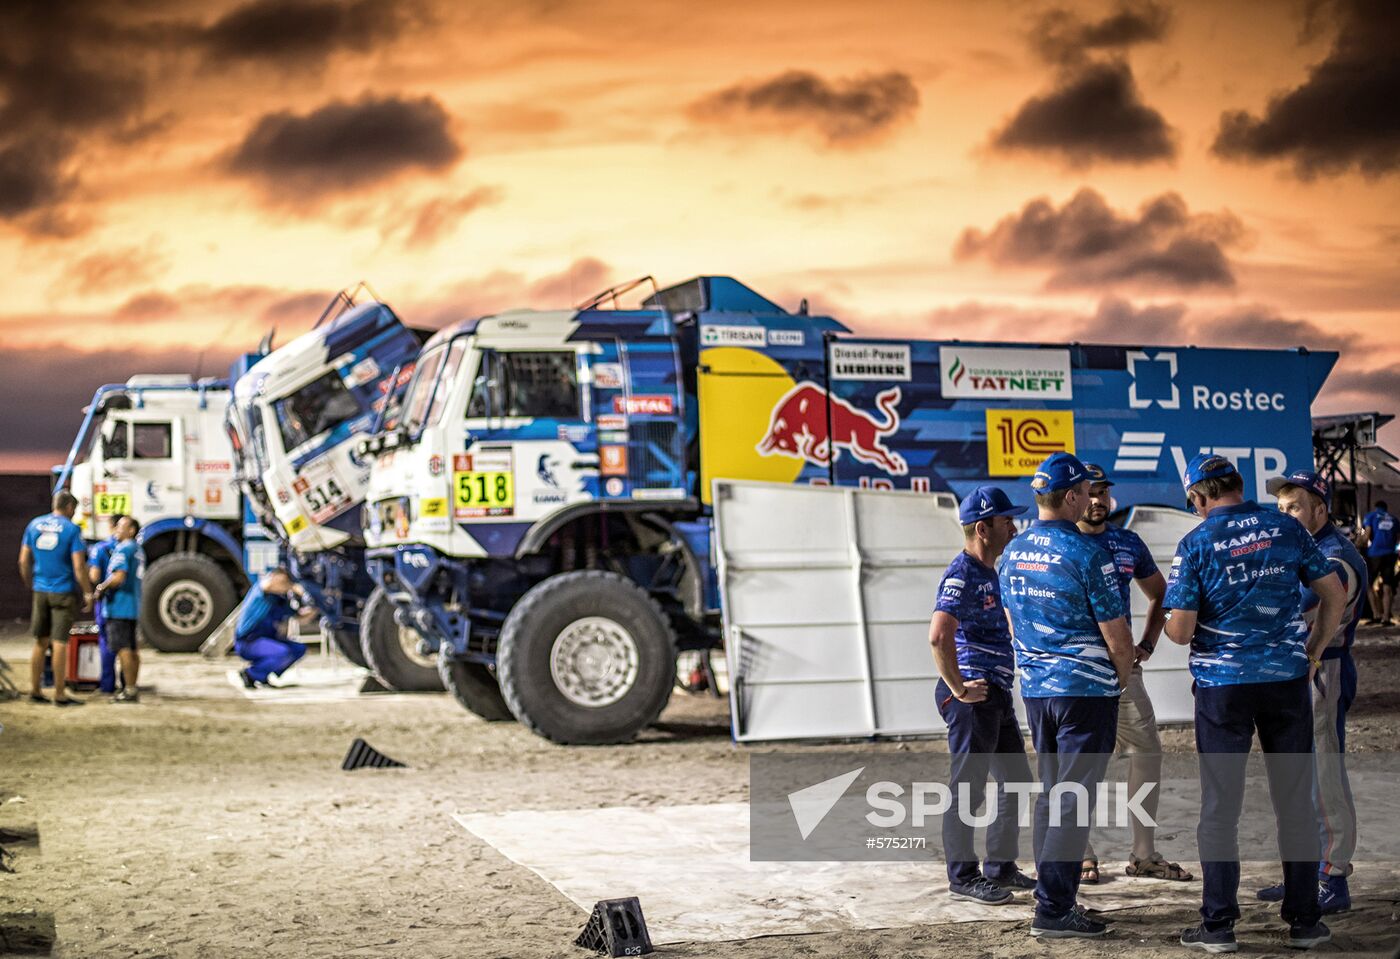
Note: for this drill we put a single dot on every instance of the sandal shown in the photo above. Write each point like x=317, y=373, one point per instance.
x=1089, y=872
x=1156, y=867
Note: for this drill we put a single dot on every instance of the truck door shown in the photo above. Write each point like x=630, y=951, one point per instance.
x=143, y=470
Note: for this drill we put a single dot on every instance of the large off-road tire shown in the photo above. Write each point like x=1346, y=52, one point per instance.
x=184, y=598
x=474, y=686
x=347, y=643
x=391, y=651
x=586, y=658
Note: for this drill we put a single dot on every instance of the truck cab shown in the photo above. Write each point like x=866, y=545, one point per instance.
x=295, y=419
x=154, y=448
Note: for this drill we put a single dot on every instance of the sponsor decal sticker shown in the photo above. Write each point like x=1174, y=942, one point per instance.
x=607, y=376
x=986, y=373
x=213, y=466
x=658, y=494
x=801, y=426
x=612, y=421
x=733, y=336
x=485, y=487
x=612, y=460
x=870, y=361
x=1019, y=440
x=362, y=372
x=645, y=405
x=786, y=337
x=435, y=464
x=614, y=487
x=296, y=524
x=436, y=506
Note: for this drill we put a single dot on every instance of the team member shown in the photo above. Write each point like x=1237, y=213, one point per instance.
x=972, y=651
x=1074, y=653
x=258, y=634
x=1137, y=722
x=1234, y=598
x=1307, y=497
x=1381, y=529
x=51, y=564
x=120, y=594
x=99, y=554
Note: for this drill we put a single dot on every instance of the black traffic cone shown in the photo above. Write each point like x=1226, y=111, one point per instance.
x=362, y=754
x=616, y=928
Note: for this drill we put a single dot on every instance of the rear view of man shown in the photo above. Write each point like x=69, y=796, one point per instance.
x=99, y=555
x=1074, y=653
x=120, y=594
x=1233, y=596
x=1307, y=497
x=258, y=634
x=51, y=564
x=972, y=651
x=1381, y=530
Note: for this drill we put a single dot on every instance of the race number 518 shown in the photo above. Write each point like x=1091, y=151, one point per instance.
x=474, y=490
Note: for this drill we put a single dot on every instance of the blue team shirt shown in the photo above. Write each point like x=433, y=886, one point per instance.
x=971, y=594
x=1058, y=586
x=54, y=540
x=100, y=554
x=1240, y=571
x=1348, y=563
x=1131, y=558
x=1383, y=532
x=262, y=614
x=124, y=601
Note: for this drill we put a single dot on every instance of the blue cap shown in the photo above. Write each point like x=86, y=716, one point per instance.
x=1306, y=479
x=1097, y=474
x=1204, y=466
x=1059, y=471
x=985, y=502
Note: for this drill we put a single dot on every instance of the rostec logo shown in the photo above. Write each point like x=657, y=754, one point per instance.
x=1136, y=399
x=810, y=424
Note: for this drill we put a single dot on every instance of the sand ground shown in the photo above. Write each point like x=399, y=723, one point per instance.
x=199, y=824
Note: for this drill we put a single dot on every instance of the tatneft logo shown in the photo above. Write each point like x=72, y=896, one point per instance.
x=1153, y=383
x=893, y=804
x=995, y=373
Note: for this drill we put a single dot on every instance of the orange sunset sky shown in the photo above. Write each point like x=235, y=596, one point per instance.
x=176, y=178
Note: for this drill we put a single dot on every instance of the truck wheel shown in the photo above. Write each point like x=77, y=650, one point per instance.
x=474, y=686
x=586, y=657
x=184, y=598
x=347, y=641
x=391, y=650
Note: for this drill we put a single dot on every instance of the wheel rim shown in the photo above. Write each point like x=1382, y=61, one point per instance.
x=408, y=642
x=186, y=607
x=594, y=662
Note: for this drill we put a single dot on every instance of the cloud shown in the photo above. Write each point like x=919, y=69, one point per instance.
x=1061, y=36
x=505, y=290
x=1266, y=328
x=343, y=146
x=301, y=34
x=1117, y=320
x=1085, y=244
x=1094, y=112
x=1346, y=114
x=847, y=112
x=423, y=226
x=109, y=270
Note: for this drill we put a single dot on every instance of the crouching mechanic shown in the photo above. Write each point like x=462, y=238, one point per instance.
x=119, y=598
x=1307, y=497
x=1233, y=596
x=1074, y=653
x=259, y=635
x=972, y=651
x=1137, y=722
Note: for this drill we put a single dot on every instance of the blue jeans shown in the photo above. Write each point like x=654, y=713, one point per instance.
x=983, y=738
x=1074, y=738
x=1226, y=720
x=268, y=655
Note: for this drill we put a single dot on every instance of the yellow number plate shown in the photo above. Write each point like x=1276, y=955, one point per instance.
x=477, y=493
x=109, y=504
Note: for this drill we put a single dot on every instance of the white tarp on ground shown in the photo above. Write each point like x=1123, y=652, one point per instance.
x=827, y=594
x=689, y=866
x=303, y=684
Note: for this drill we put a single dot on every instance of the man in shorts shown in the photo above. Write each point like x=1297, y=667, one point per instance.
x=51, y=563
x=120, y=593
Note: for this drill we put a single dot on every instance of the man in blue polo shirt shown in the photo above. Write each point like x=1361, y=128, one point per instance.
x=1381, y=531
x=51, y=564
x=120, y=595
x=972, y=652
x=1233, y=596
x=99, y=555
x=259, y=632
x=1074, y=654
x=1307, y=497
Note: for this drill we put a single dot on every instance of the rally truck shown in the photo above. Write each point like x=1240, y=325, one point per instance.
x=154, y=448
x=296, y=415
x=542, y=511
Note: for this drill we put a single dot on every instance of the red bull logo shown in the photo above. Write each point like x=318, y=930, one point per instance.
x=809, y=424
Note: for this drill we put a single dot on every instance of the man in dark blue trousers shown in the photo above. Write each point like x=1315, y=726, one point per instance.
x=259, y=633
x=1074, y=653
x=972, y=651
x=99, y=555
x=1233, y=595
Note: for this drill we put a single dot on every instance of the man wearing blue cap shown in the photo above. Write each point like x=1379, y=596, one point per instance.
x=1137, y=721
x=1307, y=497
x=972, y=651
x=1233, y=596
x=1074, y=653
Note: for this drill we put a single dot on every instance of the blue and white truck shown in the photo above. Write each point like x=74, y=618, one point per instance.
x=541, y=512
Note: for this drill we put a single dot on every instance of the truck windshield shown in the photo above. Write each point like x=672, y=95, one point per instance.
x=318, y=406
x=420, y=394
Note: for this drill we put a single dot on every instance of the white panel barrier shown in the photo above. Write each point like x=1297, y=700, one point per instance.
x=827, y=594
